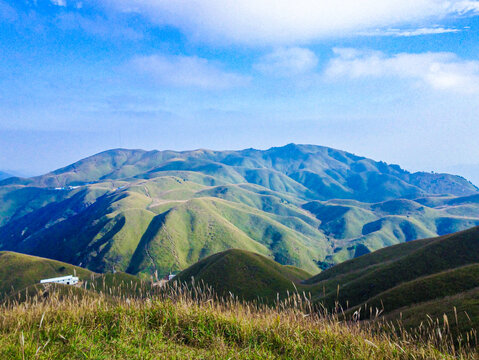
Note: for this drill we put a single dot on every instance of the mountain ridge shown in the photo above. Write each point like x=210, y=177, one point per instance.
x=120, y=163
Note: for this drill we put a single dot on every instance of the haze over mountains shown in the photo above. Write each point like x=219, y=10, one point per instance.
x=4, y=175
x=160, y=211
x=469, y=171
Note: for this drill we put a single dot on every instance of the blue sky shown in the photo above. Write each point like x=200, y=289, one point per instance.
x=393, y=80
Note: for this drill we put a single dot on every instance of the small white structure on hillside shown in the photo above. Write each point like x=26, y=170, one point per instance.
x=68, y=280
x=171, y=277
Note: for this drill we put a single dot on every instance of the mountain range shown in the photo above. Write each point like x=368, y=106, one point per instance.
x=306, y=206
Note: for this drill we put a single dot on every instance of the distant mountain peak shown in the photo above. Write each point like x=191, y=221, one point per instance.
x=5, y=175
x=326, y=173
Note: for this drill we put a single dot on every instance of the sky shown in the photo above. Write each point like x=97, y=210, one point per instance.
x=393, y=80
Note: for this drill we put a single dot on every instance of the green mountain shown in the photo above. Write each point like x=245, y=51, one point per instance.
x=307, y=206
x=316, y=171
x=20, y=273
x=413, y=279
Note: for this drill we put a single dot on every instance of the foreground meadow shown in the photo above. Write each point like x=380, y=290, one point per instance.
x=191, y=323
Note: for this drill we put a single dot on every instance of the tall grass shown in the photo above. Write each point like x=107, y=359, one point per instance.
x=191, y=321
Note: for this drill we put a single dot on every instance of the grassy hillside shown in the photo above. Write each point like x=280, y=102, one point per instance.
x=458, y=313
x=436, y=286
x=361, y=228
x=391, y=280
x=433, y=315
x=246, y=274
x=441, y=254
x=20, y=273
x=306, y=170
x=168, y=223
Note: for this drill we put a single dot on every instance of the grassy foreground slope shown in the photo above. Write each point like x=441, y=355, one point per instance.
x=461, y=311
x=405, y=275
x=431, y=256
x=180, y=323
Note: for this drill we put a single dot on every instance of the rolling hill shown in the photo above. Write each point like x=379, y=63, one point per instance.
x=436, y=273
x=307, y=206
x=249, y=275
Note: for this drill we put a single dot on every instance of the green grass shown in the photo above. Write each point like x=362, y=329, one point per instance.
x=119, y=316
x=20, y=276
x=245, y=274
x=458, y=313
x=425, y=288
x=442, y=254
x=179, y=323
x=18, y=271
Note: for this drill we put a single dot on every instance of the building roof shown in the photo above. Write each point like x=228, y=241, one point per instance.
x=68, y=277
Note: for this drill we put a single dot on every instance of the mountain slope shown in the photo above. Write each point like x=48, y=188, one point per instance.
x=162, y=211
x=168, y=223
x=398, y=279
x=243, y=273
x=431, y=256
x=18, y=271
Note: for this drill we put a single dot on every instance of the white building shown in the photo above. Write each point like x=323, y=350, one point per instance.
x=68, y=280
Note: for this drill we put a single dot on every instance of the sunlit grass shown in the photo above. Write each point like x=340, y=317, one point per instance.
x=191, y=322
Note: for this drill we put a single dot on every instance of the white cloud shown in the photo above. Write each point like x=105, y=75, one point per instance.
x=59, y=2
x=467, y=6
x=410, y=32
x=187, y=71
x=440, y=71
x=288, y=21
x=287, y=62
